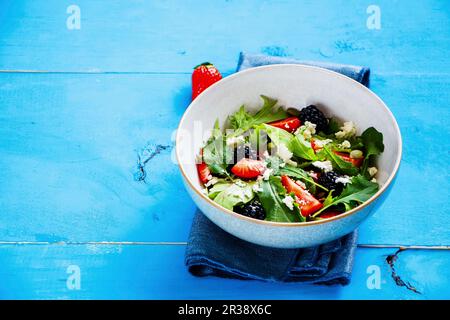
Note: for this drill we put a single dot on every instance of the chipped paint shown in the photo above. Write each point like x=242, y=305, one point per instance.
x=391, y=260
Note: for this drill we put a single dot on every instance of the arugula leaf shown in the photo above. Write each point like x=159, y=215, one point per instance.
x=358, y=191
x=218, y=188
x=334, y=125
x=232, y=194
x=271, y=200
x=373, y=142
x=302, y=148
x=242, y=120
x=217, y=154
x=340, y=164
x=298, y=173
x=277, y=135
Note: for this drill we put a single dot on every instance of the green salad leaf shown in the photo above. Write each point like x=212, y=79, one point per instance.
x=271, y=198
x=358, y=191
x=298, y=173
x=216, y=154
x=338, y=163
x=301, y=148
x=231, y=194
x=373, y=142
x=277, y=135
x=242, y=120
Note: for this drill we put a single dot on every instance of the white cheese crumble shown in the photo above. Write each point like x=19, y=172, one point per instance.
x=345, y=144
x=283, y=152
x=347, y=130
x=343, y=179
x=372, y=171
x=322, y=143
x=212, y=182
x=235, y=140
x=257, y=188
x=356, y=154
x=326, y=166
x=291, y=163
x=289, y=202
x=374, y=180
x=267, y=174
x=307, y=130
x=240, y=183
x=205, y=191
x=266, y=154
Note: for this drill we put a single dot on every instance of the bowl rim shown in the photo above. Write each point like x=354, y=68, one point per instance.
x=293, y=224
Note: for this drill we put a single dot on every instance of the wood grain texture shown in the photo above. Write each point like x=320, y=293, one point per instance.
x=70, y=144
x=168, y=36
x=115, y=272
x=71, y=132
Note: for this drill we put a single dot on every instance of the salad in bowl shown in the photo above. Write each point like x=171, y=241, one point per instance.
x=289, y=165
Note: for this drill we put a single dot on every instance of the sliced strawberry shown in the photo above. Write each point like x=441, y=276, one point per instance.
x=248, y=168
x=289, y=124
x=308, y=204
x=204, y=173
x=329, y=214
x=357, y=162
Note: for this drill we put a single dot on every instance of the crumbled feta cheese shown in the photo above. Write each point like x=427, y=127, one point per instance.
x=266, y=154
x=235, y=140
x=307, y=134
x=291, y=163
x=374, y=180
x=310, y=126
x=345, y=144
x=372, y=171
x=257, y=188
x=283, y=152
x=212, y=182
x=267, y=174
x=289, y=202
x=240, y=183
x=356, y=154
x=301, y=184
x=322, y=143
x=326, y=166
x=282, y=165
x=205, y=191
x=286, y=126
x=343, y=180
x=209, y=177
x=347, y=130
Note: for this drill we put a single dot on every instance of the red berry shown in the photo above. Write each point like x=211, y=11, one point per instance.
x=289, y=124
x=203, y=76
x=248, y=168
x=329, y=214
x=203, y=172
x=308, y=204
x=357, y=162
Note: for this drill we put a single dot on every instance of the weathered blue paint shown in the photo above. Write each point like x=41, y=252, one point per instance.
x=70, y=142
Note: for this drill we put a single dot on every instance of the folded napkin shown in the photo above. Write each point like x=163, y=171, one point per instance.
x=213, y=252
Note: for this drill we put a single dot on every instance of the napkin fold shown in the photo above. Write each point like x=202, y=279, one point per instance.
x=213, y=252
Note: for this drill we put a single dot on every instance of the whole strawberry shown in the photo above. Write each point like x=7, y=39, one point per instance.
x=204, y=75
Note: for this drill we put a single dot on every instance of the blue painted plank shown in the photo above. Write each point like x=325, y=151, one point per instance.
x=157, y=272
x=169, y=36
x=68, y=153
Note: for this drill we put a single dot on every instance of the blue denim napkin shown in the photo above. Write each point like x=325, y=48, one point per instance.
x=213, y=252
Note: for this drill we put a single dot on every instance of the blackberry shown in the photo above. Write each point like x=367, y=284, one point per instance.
x=328, y=180
x=314, y=115
x=252, y=209
x=244, y=151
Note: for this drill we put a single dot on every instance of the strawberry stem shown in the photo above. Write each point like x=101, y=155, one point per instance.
x=203, y=64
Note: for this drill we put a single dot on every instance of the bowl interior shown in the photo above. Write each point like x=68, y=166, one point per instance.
x=293, y=86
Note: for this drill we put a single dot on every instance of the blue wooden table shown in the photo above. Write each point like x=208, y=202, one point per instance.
x=89, y=87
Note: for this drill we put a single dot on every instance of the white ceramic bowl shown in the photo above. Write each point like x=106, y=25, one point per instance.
x=293, y=86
